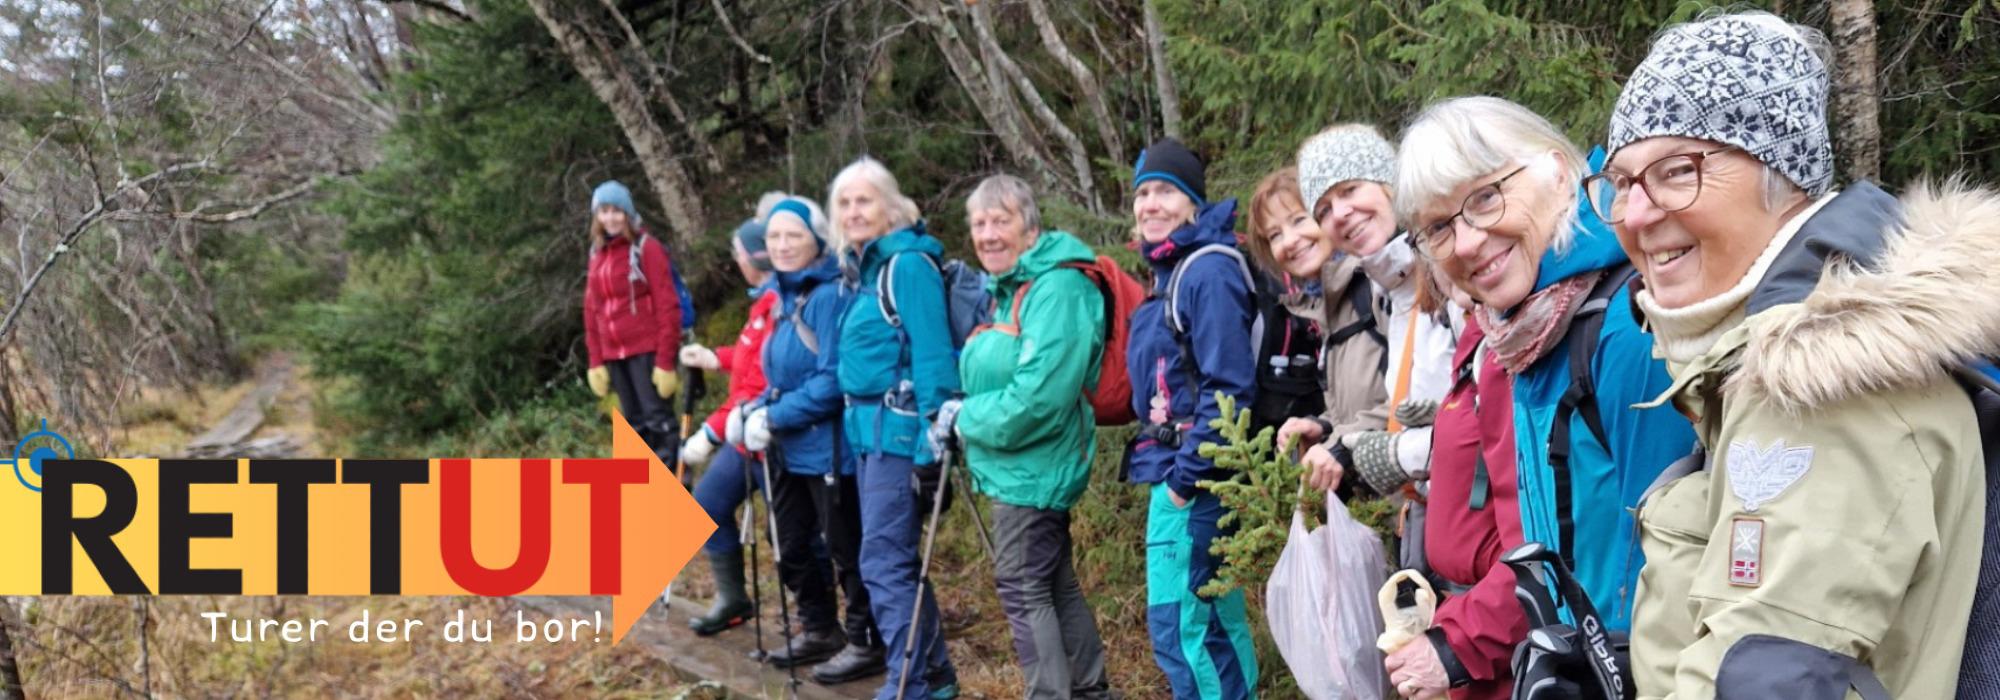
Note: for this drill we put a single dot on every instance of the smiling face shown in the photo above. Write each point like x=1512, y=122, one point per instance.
x=790, y=245
x=612, y=220
x=1701, y=251
x=862, y=211
x=1498, y=264
x=1356, y=216
x=1297, y=243
x=1160, y=208
x=999, y=237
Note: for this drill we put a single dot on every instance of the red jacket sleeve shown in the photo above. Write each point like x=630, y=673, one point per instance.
x=743, y=361
x=666, y=305
x=592, y=335
x=1484, y=624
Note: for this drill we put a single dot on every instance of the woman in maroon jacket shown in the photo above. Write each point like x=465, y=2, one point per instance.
x=1473, y=518
x=632, y=318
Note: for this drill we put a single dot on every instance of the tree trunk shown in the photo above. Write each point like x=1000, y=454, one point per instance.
x=658, y=82
x=1857, y=95
x=627, y=102
x=1079, y=159
x=1163, y=74
x=1086, y=81
x=11, y=687
x=985, y=86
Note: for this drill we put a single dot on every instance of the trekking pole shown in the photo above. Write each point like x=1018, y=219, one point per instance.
x=979, y=519
x=923, y=572
x=694, y=387
x=771, y=453
x=749, y=534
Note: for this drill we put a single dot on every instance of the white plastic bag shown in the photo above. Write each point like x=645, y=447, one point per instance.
x=1320, y=602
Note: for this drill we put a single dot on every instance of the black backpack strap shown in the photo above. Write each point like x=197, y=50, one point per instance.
x=1581, y=338
x=1360, y=295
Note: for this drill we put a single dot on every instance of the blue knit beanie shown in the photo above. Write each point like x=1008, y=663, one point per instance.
x=791, y=206
x=615, y=195
x=1168, y=160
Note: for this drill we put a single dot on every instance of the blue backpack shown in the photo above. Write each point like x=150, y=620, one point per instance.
x=967, y=303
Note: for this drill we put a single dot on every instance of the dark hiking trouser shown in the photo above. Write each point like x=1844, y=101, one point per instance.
x=800, y=567
x=651, y=417
x=1055, y=634
x=838, y=502
x=720, y=490
x=892, y=534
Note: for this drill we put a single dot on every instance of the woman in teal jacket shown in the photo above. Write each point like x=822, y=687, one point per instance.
x=894, y=370
x=1518, y=236
x=1029, y=431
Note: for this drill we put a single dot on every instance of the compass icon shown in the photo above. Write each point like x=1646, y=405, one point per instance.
x=33, y=450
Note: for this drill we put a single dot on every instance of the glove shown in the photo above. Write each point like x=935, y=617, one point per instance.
x=698, y=357
x=698, y=449
x=1401, y=624
x=1374, y=457
x=733, y=426
x=757, y=431
x=1416, y=672
x=944, y=429
x=666, y=382
x=599, y=378
x=1417, y=413
x=927, y=482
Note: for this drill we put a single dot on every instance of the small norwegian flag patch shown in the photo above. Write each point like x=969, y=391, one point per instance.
x=1746, y=552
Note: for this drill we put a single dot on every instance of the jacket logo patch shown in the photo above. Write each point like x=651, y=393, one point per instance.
x=1746, y=552
x=1758, y=476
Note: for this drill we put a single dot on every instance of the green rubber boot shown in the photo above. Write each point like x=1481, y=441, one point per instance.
x=732, y=607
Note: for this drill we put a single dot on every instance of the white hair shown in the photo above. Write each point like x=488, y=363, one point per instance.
x=1005, y=191
x=902, y=211
x=1456, y=140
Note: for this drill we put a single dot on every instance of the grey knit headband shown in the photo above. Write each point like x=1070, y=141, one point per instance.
x=1746, y=80
x=1339, y=155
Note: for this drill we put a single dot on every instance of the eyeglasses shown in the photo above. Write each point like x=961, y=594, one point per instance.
x=1672, y=183
x=1481, y=209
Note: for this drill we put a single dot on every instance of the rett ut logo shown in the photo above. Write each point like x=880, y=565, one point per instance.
x=620, y=527
x=35, y=450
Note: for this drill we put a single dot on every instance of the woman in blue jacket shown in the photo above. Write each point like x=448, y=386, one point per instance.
x=796, y=422
x=1186, y=345
x=1492, y=192
x=895, y=370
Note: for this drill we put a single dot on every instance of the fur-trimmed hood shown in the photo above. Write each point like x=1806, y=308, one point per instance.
x=1875, y=294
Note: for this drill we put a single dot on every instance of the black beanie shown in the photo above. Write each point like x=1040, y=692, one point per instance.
x=1168, y=160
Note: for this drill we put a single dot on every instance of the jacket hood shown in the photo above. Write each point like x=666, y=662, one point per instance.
x=1882, y=302
x=822, y=270
x=1595, y=246
x=1053, y=248
x=913, y=237
x=1213, y=223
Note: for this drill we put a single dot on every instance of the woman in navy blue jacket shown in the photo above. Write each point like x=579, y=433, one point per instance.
x=796, y=422
x=1186, y=345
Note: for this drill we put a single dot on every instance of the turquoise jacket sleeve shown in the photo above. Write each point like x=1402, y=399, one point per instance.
x=1062, y=334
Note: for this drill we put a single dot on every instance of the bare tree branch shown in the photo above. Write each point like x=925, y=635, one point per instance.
x=1086, y=81
x=250, y=211
x=438, y=5
x=1079, y=159
x=1163, y=73
x=659, y=90
x=735, y=37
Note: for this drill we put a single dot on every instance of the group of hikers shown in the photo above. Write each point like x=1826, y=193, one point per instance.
x=1729, y=406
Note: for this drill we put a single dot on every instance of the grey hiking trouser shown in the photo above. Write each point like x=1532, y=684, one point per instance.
x=1055, y=634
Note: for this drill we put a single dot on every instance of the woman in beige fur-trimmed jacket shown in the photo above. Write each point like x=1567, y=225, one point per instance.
x=1830, y=541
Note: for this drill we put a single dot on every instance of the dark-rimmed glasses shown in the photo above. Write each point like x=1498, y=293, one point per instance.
x=1672, y=183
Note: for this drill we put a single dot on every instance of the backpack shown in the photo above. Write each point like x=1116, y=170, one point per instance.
x=967, y=303
x=1174, y=304
x=1289, y=379
x=1581, y=341
x=1111, y=398
x=1979, y=671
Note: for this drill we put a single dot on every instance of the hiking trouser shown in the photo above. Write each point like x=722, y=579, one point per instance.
x=892, y=533
x=651, y=417
x=801, y=568
x=1202, y=644
x=720, y=491
x=1055, y=634
x=838, y=501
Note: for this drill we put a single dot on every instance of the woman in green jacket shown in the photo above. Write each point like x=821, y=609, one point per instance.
x=1029, y=431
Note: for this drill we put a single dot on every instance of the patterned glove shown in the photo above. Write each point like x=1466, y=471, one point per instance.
x=1375, y=460
x=1417, y=413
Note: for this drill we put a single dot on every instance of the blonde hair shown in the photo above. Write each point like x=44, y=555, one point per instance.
x=1457, y=140
x=902, y=210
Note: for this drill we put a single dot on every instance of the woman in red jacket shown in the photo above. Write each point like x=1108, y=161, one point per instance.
x=632, y=318
x=722, y=487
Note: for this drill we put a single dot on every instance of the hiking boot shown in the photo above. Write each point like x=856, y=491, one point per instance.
x=811, y=647
x=948, y=691
x=854, y=663
x=731, y=606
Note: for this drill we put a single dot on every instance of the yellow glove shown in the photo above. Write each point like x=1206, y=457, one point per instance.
x=600, y=380
x=665, y=381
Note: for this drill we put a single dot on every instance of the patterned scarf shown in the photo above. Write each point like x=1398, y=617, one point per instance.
x=1524, y=337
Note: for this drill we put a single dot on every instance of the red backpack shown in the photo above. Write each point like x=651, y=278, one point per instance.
x=1111, y=398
